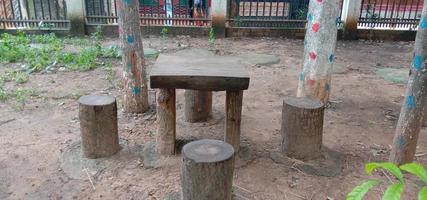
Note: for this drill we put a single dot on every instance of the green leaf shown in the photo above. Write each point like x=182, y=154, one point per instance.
x=416, y=169
x=393, y=192
x=392, y=168
x=359, y=191
x=423, y=194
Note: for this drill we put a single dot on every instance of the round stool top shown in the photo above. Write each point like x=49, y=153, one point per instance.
x=303, y=102
x=96, y=100
x=208, y=151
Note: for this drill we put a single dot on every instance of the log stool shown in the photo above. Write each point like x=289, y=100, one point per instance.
x=203, y=74
x=302, y=127
x=98, y=126
x=198, y=105
x=207, y=170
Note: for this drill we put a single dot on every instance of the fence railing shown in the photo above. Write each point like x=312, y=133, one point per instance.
x=403, y=14
x=153, y=12
x=270, y=13
x=52, y=14
x=15, y=14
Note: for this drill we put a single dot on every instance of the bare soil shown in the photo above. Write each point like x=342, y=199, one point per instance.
x=359, y=123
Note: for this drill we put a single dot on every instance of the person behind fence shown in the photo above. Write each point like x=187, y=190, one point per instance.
x=198, y=11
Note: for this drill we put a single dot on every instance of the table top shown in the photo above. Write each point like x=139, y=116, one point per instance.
x=215, y=73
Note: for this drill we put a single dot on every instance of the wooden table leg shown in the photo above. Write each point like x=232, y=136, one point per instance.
x=233, y=109
x=166, y=116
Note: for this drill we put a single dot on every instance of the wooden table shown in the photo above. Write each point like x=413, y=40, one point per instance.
x=213, y=73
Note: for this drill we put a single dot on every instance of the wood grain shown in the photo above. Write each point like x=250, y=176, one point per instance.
x=199, y=73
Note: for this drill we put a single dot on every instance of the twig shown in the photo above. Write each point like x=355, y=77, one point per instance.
x=88, y=176
x=420, y=154
x=296, y=168
x=246, y=190
x=312, y=195
x=296, y=195
x=386, y=175
x=7, y=121
x=240, y=196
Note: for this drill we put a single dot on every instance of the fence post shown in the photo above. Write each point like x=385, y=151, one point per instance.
x=350, y=17
x=76, y=15
x=219, y=16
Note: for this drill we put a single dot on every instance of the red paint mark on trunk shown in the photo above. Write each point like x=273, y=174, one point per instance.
x=312, y=55
x=311, y=82
x=315, y=27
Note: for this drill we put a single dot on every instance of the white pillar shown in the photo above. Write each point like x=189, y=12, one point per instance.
x=76, y=15
x=24, y=11
x=219, y=16
x=350, y=17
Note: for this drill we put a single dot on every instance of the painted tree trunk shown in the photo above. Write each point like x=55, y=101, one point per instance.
x=135, y=98
x=319, y=49
x=414, y=106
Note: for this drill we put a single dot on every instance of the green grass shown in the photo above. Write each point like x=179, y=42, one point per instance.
x=43, y=52
x=40, y=52
x=3, y=94
x=18, y=96
x=17, y=76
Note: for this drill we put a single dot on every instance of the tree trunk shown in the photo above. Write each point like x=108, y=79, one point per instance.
x=166, y=116
x=135, y=82
x=207, y=170
x=414, y=105
x=302, y=127
x=198, y=105
x=233, y=109
x=319, y=49
x=98, y=125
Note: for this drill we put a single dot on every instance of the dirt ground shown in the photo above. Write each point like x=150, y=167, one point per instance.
x=35, y=142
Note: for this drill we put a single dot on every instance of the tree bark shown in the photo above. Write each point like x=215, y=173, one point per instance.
x=134, y=78
x=198, y=105
x=319, y=50
x=98, y=125
x=302, y=127
x=233, y=107
x=207, y=170
x=414, y=105
x=166, y=116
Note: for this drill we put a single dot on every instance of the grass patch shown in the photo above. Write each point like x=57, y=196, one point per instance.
x=41, y=52
x=18, y=96
x=17, y=76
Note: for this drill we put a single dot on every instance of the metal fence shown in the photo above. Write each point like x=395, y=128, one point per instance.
x=388, y=14
x=269, y=13
x=15, y=14
x=153, y=12
x=395, y=14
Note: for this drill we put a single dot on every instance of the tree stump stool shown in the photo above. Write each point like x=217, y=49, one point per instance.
x=302, y=127
x=198, y=105
x=98, y=126
x=207, y=170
